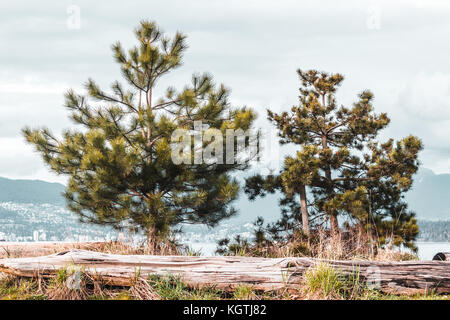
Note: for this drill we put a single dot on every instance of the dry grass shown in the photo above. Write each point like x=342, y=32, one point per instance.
x=61, y=287
x=30, y=249
x=348, y=246
x=142, y=290
x=393, y=255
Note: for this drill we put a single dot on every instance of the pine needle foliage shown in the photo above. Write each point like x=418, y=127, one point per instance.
x=348, y=172
x=118, y=158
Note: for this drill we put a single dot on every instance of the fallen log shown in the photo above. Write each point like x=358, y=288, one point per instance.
x=442, y=256
x=228, y=272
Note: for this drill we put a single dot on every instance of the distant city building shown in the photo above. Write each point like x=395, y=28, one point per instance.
x=43, y=236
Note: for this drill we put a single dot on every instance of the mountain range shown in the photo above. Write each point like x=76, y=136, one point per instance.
x=30, y=191
x=427, y=196
x=30, y=206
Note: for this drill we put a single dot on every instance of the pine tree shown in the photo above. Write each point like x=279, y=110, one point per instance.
x=291, y=183
x=339, y=160
x=291, y=214
x=374, y=192
x=330, y=130
x=119, y=163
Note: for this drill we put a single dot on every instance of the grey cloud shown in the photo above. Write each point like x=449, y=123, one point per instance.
x=254, y=47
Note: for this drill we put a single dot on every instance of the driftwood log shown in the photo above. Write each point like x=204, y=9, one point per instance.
x=442, y=256
x=228, y=272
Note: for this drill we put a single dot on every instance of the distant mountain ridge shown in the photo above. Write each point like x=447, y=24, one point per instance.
x=31, y=191
x=429, y=197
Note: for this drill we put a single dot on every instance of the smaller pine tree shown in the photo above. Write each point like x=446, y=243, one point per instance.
x=339, y=161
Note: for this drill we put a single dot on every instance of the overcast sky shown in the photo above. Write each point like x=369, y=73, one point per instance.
x=398, y=49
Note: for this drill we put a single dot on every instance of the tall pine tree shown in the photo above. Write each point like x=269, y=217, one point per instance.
x=119, y=164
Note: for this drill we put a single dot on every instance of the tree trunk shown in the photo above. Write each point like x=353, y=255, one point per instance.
x=366, y=239
x=304, y=209
x=151, y=239
x=406, y=277
x=334, y=224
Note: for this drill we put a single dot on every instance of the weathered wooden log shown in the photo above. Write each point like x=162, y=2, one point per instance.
x=442, y=256
x=228, y=272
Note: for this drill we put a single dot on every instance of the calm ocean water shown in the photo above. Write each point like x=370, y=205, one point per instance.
x=426, y=249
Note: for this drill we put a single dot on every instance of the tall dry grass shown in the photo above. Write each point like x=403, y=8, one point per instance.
x=349, y=245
